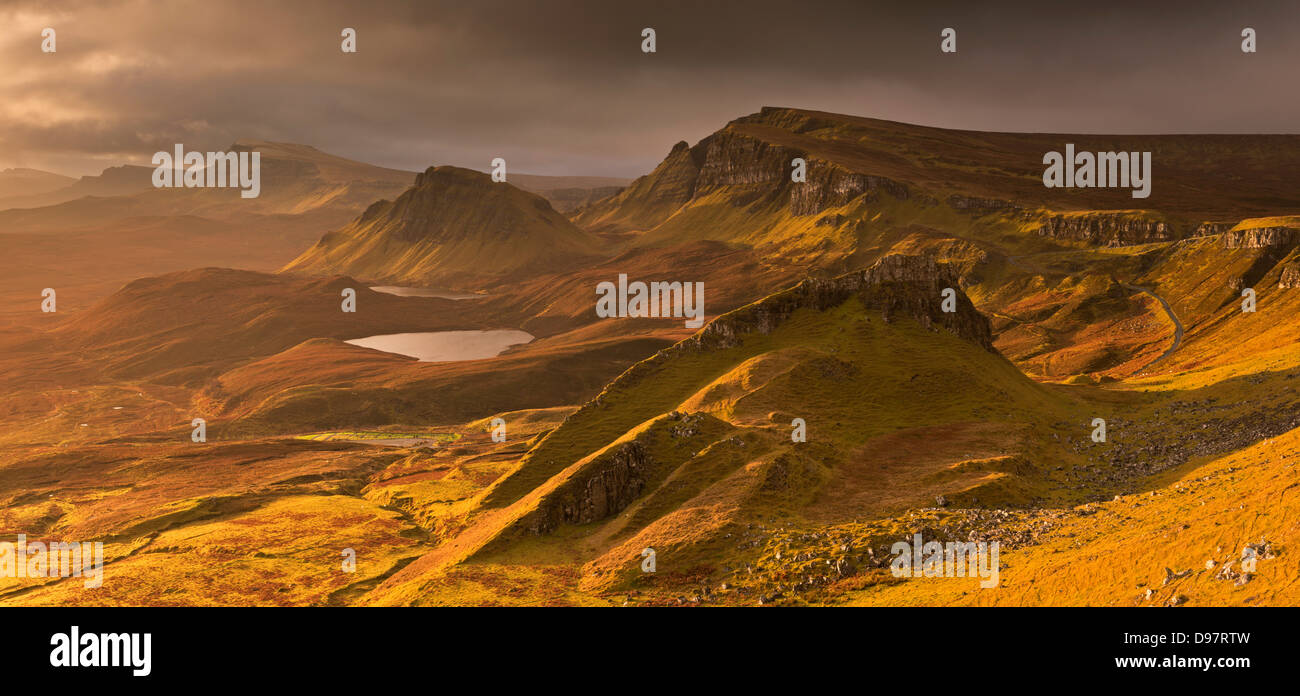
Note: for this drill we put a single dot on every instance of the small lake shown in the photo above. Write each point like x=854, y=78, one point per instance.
x=401, y=291
x=446, y=346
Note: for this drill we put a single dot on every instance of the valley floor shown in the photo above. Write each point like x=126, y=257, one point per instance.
x=1198, y=466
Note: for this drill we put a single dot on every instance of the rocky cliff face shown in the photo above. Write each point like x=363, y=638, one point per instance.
x=757, y=168
x=733, y=159
x=1290, y=277
x=979, y=205
x=603, y=489
x=737, y=160
x=1261, y=238
x=1208, y=228
x=830, y=186
x=1107, y=229
x=898, y=286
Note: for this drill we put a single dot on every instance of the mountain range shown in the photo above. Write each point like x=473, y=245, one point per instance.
x=919, y=338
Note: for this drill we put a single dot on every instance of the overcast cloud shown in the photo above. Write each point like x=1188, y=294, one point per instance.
x=563, y=88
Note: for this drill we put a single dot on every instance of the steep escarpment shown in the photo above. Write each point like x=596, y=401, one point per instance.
x=608, y=488
x=898, y=286
x=1267, y=243
x=830, y=186
x=873, y=187
x=747, y=165
x=870, y=185
x=896, y=290
x=1260, y=237
x=1108, y=228
x=735, y=169
x=454, y=228
x=1209, y=228
x=739, y=159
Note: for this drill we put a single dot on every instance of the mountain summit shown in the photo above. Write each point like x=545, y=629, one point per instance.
x=455, y=227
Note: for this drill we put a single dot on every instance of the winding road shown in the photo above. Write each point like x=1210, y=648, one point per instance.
x=1169, y=311
x=1178, y=325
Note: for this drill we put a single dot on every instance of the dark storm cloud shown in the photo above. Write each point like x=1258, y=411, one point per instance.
x=562, y=87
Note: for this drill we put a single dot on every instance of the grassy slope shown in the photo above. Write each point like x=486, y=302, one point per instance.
x=856, y=379
x=913, y=416
x=1116, y=551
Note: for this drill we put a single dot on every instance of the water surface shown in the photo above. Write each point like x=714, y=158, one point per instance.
x=446, y=346
x=402, y=291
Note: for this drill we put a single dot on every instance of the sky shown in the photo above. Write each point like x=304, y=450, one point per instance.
x=562, y=87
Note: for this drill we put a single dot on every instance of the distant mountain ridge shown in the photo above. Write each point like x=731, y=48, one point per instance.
x=749, y=161
x=22, y=181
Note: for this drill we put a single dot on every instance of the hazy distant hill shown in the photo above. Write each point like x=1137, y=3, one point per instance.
x=295, y=179
x=568, y=193
x=20, y=182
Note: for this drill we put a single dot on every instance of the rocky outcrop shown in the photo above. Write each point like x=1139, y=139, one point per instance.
x=737, y=160
x=979, y=205
x=602, y=489
x=1290, y=277
x=1211, y=228
x=898, y=286
x=1263, y=260
x=1107, y=229
x=734, y=159
x=830, y=186
x=756, y=168
x=1261, y=238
